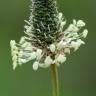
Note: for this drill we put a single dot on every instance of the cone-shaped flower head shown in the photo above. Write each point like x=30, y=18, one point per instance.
x=46, y=41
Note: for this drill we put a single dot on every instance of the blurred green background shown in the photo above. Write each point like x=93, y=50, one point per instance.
x=77, y=76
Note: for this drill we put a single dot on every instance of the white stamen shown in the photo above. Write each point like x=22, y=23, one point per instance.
x=22, y=40
x=60, y=16
x=72, y=28
x=35, y=65
x=26, y=44
x=48, y=61
x=67, y=50
x=14, y=52
x=80, y=23
x=14, y=65
x=22, y=61
x=77, y=44
x=85, y=33
x=42, y=65
x=52, y=48
x=61, y=58
x=33, y=55
x=74, y=22
x=63, y=23
x=80, y=41
x=39, y=53
x=14, y=58
x=12, y=42
x=60, y=45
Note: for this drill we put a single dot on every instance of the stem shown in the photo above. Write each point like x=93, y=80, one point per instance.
x=55, y=80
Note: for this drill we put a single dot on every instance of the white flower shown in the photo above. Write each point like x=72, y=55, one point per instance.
x=22, y=61
x=33, y=55
x=63, y=23
x=47, y=44
x=35, y=65
x=14, y=48
x=48, y=61
x=28, y=28
x=43, y=65
x=76, y=44
x=14, y=65
x=61, y=58
x=85, y=33
x=67, y=50
x=80, y=23
x=26, y=45
x=60, y=16
x=74, y=22
x=60, y=45
x=20, y=53
x=25, y=55
x=62, y=26
x=29, y=48
x=39, y=54
x=14, y=52
x=22, y=40
x=14, y=58
x=72, y=28
x=12, y=43
x=80, y=41
x=52, y=48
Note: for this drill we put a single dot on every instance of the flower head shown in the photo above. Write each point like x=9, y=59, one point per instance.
x=47, y=42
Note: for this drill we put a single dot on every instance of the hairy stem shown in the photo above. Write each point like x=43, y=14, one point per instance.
x=55, y=80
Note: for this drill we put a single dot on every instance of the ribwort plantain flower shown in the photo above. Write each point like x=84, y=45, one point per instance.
x=46, y=40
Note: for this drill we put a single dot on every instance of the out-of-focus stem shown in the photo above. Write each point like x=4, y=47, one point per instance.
x=55, y=80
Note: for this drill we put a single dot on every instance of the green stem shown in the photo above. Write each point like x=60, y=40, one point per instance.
x=55, y=80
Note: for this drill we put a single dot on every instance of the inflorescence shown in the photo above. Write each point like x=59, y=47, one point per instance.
x=47, y=42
